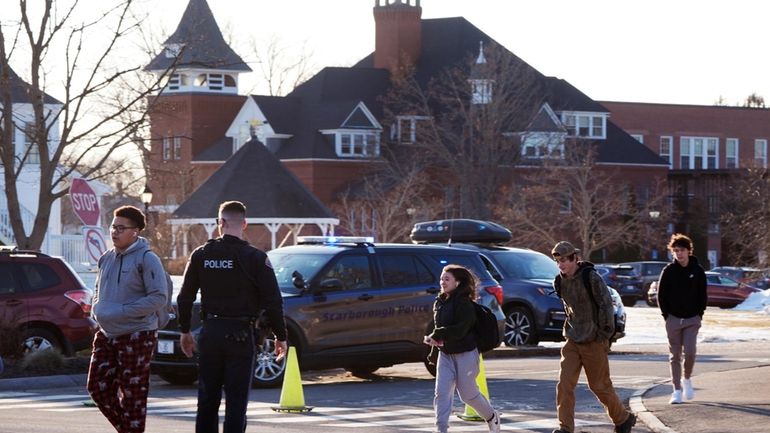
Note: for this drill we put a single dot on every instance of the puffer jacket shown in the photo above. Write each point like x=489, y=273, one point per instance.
x=587, y=321
x=454, y=317
x=131, y=287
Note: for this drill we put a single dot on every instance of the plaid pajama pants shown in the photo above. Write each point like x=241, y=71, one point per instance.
x=119, y=378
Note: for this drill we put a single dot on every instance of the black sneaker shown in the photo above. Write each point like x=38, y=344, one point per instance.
x=559, y=431
x=627, y=424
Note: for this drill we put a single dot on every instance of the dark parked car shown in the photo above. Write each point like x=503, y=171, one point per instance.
x=348, y=303
x=533, y=311
x=46, y=299
x=649, y=270
x=625, y=280
x=723, y=292
x=755, y=277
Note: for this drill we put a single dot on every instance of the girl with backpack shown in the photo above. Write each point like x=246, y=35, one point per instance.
x=458, y=360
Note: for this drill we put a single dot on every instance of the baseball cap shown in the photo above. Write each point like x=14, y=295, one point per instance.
x=563, y=249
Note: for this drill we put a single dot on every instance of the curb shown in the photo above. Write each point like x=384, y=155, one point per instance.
x=38, y=382
x=636, y=404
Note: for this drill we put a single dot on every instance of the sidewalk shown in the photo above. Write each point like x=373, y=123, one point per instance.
x=725, y=401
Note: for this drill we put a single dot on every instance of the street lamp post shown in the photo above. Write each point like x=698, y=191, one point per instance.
x=146, y=198
x=654, y=215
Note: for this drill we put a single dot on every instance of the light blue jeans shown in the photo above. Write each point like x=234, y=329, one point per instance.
x=458, y=371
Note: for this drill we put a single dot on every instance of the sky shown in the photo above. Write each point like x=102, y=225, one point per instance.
x=683, y=51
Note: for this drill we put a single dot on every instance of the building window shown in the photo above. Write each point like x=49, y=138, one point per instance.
x=586, y=125
x=31, y=149
x=406, y=128
x=358, y=144
x=712, y=161
x=638, y=137
x=167, y=149
x=760, y=153
x=565, y=205
x=731, y=153
x=698, y=153
x=482, y=92
x=713, y=204
x=177, y=147
x=666, y=144
x=542, y=145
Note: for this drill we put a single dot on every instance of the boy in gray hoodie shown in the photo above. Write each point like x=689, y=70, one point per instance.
x=129, y=301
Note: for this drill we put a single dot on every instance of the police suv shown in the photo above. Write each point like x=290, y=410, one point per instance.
x=349, y=303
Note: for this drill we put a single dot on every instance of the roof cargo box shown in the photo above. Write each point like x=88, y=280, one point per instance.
x=460, y=230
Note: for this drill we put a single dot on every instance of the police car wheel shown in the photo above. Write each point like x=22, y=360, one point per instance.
x=268, y=373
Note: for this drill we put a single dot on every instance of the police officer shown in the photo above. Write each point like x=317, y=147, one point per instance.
x=236, y=281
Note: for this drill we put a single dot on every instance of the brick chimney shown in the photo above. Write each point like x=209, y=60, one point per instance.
x=398, y=33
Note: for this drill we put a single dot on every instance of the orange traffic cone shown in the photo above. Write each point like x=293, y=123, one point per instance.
x=292, y=398
x=481, y=380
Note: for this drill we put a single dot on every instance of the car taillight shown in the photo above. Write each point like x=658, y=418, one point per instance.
x=82, y=298
x=497, y=292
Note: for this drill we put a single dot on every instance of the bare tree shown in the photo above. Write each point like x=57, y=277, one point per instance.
x=746, y=222
x=387, y=203
x=96, y=112
x=281, y=67
x=754, y=101
x=573, y=198
x=466, y=123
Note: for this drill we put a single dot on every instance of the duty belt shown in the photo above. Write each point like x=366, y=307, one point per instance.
x=210, y=316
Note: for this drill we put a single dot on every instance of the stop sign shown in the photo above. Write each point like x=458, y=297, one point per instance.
x=84, y=202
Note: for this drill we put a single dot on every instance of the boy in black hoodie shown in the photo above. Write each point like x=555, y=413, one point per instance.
x=682, y=299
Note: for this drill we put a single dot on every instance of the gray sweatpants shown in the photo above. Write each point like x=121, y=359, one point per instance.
x=459, y=371
x=682, y=334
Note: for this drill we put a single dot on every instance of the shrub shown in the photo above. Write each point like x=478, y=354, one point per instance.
x=43, y=360
x=11, y=339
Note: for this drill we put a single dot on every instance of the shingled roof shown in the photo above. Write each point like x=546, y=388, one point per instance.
x=20, y=90
x=201, y=43
x=255, y=177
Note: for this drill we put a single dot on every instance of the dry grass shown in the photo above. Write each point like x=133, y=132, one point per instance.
x=729, y=318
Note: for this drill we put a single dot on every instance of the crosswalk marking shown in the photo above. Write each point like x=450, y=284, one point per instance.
x=417, y=419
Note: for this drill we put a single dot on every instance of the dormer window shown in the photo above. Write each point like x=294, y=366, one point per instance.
x=585, y=125
x=356, y=144
x=173, y=50
x=542, y=145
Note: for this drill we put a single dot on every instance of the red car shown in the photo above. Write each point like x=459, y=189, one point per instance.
x=723, y=292
x=48, y=301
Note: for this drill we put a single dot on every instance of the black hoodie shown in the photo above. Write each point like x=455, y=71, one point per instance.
x=682, y=290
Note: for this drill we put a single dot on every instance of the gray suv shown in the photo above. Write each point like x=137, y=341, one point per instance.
x=348, y=303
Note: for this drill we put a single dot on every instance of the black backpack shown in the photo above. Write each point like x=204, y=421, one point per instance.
x=620, y=326
x=486, y=331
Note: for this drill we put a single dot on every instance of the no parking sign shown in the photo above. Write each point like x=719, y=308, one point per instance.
x=95, y=244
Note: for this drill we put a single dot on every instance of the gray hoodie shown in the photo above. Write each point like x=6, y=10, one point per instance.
x=130, y=290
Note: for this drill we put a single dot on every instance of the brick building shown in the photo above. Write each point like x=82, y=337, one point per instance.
x=705, y=146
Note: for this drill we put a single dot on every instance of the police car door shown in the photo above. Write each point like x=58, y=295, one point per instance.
x=340, y=309
x=406, y=305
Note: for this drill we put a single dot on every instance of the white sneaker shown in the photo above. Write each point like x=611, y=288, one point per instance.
x=689, y=392
x=494, y=423
x=676, y=397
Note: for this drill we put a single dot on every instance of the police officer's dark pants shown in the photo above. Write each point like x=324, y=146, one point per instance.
x=226, y=360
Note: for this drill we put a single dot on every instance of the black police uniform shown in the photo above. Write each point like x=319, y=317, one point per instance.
x=236, y=282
